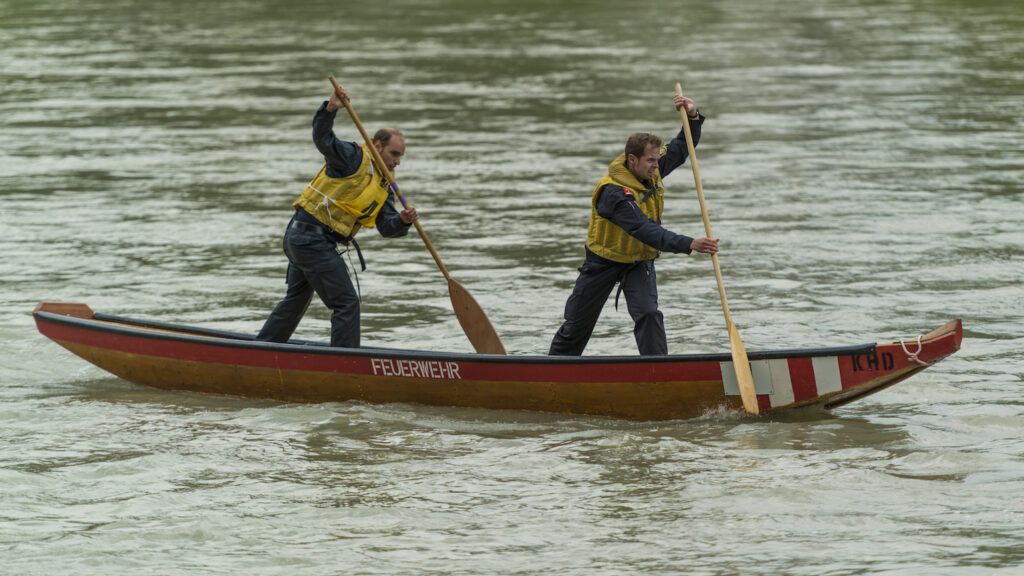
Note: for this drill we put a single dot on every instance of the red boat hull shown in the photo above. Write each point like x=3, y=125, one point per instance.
x=632, y=387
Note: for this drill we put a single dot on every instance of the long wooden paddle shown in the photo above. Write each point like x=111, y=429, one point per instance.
x=739, y=353
x=471, y=316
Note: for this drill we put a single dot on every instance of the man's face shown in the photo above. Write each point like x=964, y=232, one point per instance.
x=392, y=153
x=644, y=166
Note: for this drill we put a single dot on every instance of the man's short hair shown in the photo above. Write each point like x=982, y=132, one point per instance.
x=637, y=143
x=385, y=134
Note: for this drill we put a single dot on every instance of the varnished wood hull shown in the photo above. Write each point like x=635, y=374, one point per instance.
x=640, y=388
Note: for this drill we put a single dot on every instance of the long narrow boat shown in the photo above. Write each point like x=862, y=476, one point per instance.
x=178, y=357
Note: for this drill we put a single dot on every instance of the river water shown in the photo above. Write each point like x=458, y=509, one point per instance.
x=862, y=162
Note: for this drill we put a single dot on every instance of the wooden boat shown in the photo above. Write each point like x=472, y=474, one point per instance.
x=177, y=357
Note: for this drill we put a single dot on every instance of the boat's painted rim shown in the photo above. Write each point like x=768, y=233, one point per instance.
x=138, y=329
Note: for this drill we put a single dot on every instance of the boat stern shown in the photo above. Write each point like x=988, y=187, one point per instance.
x=74, y=309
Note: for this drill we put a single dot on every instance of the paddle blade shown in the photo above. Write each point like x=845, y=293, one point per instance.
x=474, y=322
x=742, y=366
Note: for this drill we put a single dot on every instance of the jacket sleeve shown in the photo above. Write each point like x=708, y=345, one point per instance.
x=342, y=157
x=676, y=151
x=388, y=222
x=621, y=208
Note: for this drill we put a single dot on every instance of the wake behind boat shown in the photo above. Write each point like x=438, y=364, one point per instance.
x=176, y=357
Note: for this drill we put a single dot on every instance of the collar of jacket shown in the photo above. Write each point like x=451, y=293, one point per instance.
x=618, y=172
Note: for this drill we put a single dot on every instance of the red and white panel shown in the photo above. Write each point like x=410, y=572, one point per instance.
x=788, y=380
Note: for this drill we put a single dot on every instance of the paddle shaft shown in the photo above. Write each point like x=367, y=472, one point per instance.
x=703, y=207
x=739, y=355
x=387, y=174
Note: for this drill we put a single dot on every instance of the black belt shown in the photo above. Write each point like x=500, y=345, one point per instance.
x=314, y=229
x=306, y=228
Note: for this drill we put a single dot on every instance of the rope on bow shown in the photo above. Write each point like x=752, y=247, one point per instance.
x=913, y=355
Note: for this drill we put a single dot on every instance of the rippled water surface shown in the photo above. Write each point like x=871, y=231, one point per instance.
x=862, y=161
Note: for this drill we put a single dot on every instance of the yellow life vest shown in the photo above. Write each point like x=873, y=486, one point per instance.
x=345, y=204
x=609, y=240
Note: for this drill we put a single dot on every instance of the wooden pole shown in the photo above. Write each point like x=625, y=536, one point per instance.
x=739, y=354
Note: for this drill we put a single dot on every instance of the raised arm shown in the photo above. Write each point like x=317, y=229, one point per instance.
x=342, y=157
x=676, y=152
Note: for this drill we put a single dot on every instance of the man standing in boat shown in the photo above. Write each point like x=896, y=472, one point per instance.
x=348, y=193
x=624, y=238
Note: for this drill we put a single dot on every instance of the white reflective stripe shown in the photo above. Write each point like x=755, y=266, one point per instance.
x=782, y=384
x=762, y=374
x=758, y=369
x=826, y=374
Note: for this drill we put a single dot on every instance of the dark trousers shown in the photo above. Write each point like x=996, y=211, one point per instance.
x=314, y=265
x=593, y=286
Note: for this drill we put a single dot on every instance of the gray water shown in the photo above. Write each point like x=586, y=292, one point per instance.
x=862, y=162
